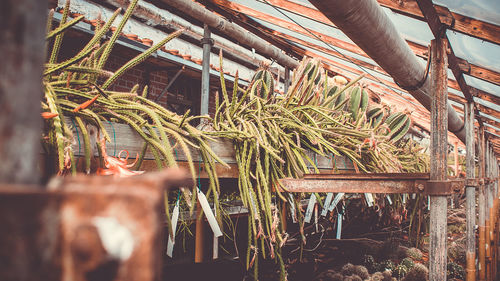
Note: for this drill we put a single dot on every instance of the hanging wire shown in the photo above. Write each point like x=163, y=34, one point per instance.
x=340, y=53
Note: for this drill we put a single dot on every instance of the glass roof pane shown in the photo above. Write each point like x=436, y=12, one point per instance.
x=409, y=28
x=475, y=51
x=313, y=40
x=485, y=10
x=482, y=85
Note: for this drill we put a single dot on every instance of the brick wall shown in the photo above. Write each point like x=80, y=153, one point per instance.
x=186, y=89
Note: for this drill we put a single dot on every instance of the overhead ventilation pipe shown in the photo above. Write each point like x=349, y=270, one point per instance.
x=370, y=28
x=236, y=32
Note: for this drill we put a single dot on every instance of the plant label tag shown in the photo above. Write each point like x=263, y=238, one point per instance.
x=328, y=200
x=209, y=214
x=310, y=208
x=316, y=217
x=171, y=239
x=215, y=254
x=404, y=197
x=335, y=201
x=292, y=208
x=389, y=199
x=369, y=199
x=339, y=225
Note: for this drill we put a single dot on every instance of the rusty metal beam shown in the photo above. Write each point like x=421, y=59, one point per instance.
x=358, y=183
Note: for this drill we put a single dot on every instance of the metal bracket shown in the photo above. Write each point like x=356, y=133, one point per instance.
x=207, y=41
x=473, y=182
x=446, y=187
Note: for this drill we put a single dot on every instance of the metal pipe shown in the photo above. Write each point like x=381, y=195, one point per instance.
x=236, y=32
x=370, y=28
x=439, y=165
x=470, y=194
x=487, y=236
x=482, y=207
x=205, y=70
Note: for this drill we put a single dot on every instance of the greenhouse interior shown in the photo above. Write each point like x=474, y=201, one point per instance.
x=299, y=140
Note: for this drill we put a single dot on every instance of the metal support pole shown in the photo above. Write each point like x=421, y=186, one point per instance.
x=487, y=214
x=470, y=193
x=439, y=151
x=205, y=91
x=491, y=215
x=482, y=207
x=22, y=34
x=205, y=70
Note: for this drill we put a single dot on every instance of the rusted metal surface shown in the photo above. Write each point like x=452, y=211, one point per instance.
x=358, y=183
x=23, y=52
x=85, y=228
x=373, y=183
x=470, y=192
x=438, y=161
x=482, y=207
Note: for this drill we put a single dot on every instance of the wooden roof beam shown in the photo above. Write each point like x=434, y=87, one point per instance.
x=420, y=50
x=456, y=22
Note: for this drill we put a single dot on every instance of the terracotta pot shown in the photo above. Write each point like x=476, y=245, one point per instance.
x=147, y=41
x=75, y=15
x=198, y=61
x=131, y=36
x=186, y=57
x=173, y=52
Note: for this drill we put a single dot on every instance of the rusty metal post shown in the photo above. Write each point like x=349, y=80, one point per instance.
x=491, y=203
x=482, y=207
x=487, y=214
x=200, y=231
x=454, y=197
x=470, y=193
x=439, y=165
x=22, y=33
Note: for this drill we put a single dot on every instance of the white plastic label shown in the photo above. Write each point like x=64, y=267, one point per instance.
x=335, y=201
x=328, y=200
x=310, y=208
x=209, y=214
x=369, y=199
x=389, y=199
x=215, y=254
x=292, y=208
x=339, y=225
x=171, y=239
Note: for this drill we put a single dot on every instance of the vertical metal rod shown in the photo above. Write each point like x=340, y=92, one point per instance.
x=205, y=90
x=482, y=207
x=470, y=193
x=205, y=71
x=454, y=198
x=487, y=215
x=439, y=151
x=490, y=215
x=199, y=239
